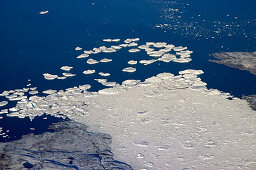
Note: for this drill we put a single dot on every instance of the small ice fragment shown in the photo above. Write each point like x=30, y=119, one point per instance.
x=62, y=78
x=160, y=45
x=32, y=88
x=134, y=50
x=3, y=103
x=147, y=62
x=155, y=53
x=33, y=92
x=167, y=58
x=68, y=74
x=85, y=87
x=116, y=47
x=78, y=48
x=104, y=74
x=123, y=45
x=49, y=91
x=88, y=52
x=109, y=50
x=180, y=48
x=66, y=68
x=4, y=111
x=83, y=56
x=109, y=84
x=115, y=40
x=48, y=76
x=107, y=40
x=133, y=44
x=13, y=109
x=88, y=71
x=190, y=71
x=129, y=69
x=101, y=80
x=92, y=61
x=165, y=76
x=105, y=60
x=130, y=82
x=132, y=62
x=43, y=12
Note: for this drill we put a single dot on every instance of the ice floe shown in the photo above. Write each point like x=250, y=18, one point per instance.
x=48, y=76
x=43, y=12
x=129, y=69
x=104, y=74
x=78, y=48
x=111, y=40
x=147, y=62
x=105, y=60
x=132, y=62
x=92, y=61
x=66, y=68
x=83, y=56
x=89, y=72
x=3, y=103
x=68, y=74
x=49, y=91
x=167, y=58
x=134, y=50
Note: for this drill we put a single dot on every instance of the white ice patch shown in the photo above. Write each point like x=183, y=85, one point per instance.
x=66, y=68
x=92, y=61
x=105, y=60
x=104, y=74
x=89, y=72
x=129, y=69
x=132, y=62
x=48, y=76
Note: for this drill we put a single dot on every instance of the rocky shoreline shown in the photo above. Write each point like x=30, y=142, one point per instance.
x=71, y=146
x=240, y=60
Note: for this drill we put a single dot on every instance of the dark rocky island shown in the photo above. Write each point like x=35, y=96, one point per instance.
x=71, y=146
x=251, y=99
x=240, y=60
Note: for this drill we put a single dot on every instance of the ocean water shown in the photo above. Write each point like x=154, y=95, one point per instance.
x=32, y=44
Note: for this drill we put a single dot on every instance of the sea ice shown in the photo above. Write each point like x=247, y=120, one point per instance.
x=167, y=58
x=49, y=91
x=129, y=69
x=105, y=60
x=88, y=71
x=133, y=44
x=68, y=74
x=180, y=48
x=134, y=50
x=160, y=44
x=66, y=68
x=3, y=103
x=147, y=62
x=43, y=12
x=132, y=62
x=109, y=50
x=182, y=60
x=48, y=76
x=130, y=83
x=104, y=74
x=78, y=48
x=92, y=61
x=116, y=47
x=83, y=56
x=33, y=92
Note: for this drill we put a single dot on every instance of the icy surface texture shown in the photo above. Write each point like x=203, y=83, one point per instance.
x=70, y=147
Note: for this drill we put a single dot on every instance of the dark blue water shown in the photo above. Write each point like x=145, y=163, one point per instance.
x=33, y=44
